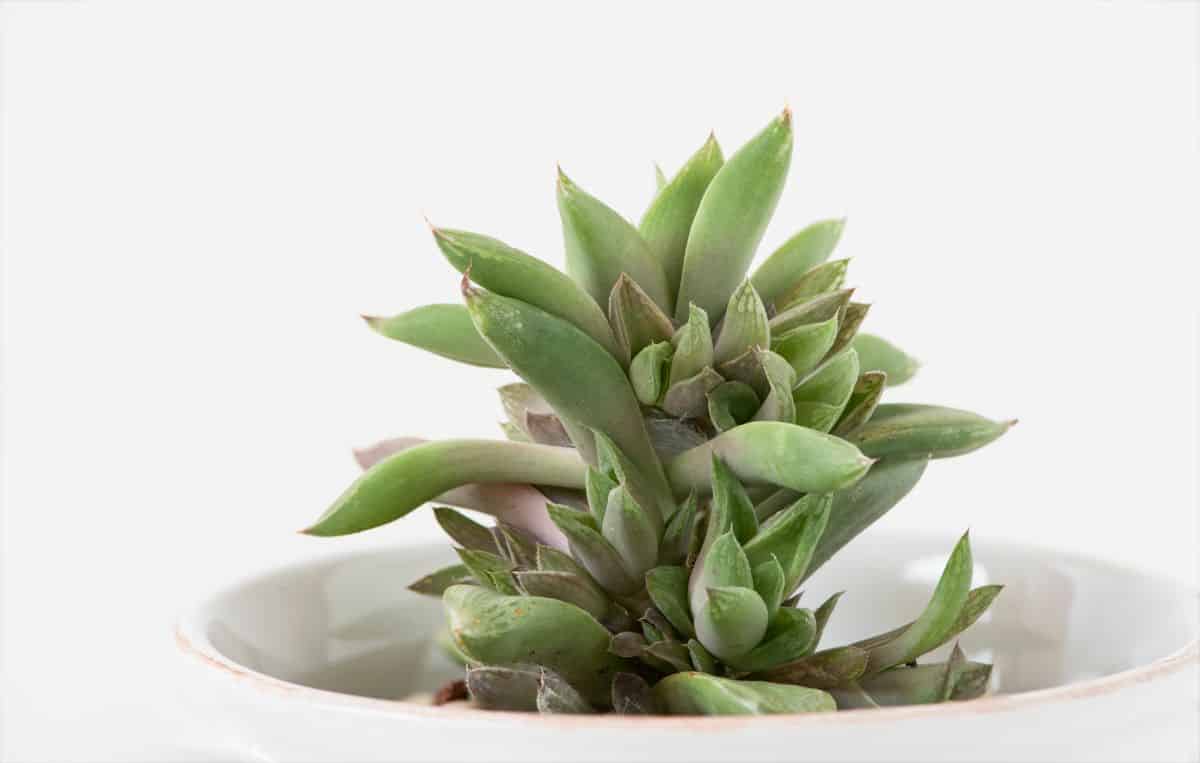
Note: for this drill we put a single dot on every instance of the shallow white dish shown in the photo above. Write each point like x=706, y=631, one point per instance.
x=1093, y=663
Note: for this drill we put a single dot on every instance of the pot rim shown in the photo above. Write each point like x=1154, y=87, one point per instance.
x=190, y=639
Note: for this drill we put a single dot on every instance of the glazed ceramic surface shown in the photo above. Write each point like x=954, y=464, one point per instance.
x=1093, y=663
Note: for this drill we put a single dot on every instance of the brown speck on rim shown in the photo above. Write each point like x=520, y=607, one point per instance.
x=451, y=692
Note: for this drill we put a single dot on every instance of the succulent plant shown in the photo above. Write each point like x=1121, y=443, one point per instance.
x=686, y=447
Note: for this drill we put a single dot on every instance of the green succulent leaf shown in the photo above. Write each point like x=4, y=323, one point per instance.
x=671, y=653
x=864, y=398
x=666, y=224
x=815, y=310
x=601, y=245
x=939, y=618
x=693, y=347
x=493, y=629
x=795, y=257
x=444, y=330
x=556, y=695
x=823, y=613
x=599, y=486
x=823, y=670
x=744, y=326
x=791, y=536
x=635, y=319
x=859, y=506
x=490, y=570
x=702, y=659
x=779, y=404
x=631, y=695
x=702, y=694
x=732, y=217
x=877, y=354
x=730, y=404
x=649, y=372
x=821, y=398
x=504, y=270
x=688, y=398
x=909, y=429
x=516, y=545
x=677, y=538
x=405, y=480
x=774, y=453
x=435, y=583
x=660, y=179
x=465, y=532
x=632, y=533
x=564, y=586
x=769, y=581
x=722, y=564
x=667, y=587
x=559, y=361
x=849, y=320
x=955, y=680
x=805, y=345
x=504, y=687
x=731, y=621
x=791, y=635
x=732, y=508
x=821, y=279
x=591, y=549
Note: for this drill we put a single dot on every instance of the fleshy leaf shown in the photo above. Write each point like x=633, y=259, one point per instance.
x=849, y=320
x=815, y=310
x=410, y=478
x=775, y=453
x=858, y=507
x=940, y=615
x=795, y=257
x=435, y=583
x=558, y=360
x=927, y=684
x=564, y=586
x=722, y=564
x=731, y=621
x=769, y=581
x=821, y=398
x=744, y=326
x=511, y=687
x=790, y=636
x=791, y=537
x=804, y=346
x=631, y=532
x=631, y=695
x=878, y=354
x=635, y=319
x=601, y=245
x=444, y=330
x=590, y=548
x=909, y=429
x=504, y=270
x=865, y=396
x=731, y=505
x=490, y=570
x=693, y=347
x=702, y=659
x=666, y=224
x=823, y=613
x=501, y=630
x=599, y=485
x=701, y=694
x=732, y=218
x=649, y=371
x=688, y=398
x=823, y=670
x=677, y=538
x=779, y=404
x=672, y=653
x=556, y=695
x=730, y=404
x=821, y=279
x=465, y=532
x=667, y=586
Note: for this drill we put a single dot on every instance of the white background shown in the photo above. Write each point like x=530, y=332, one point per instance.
x=200, y=198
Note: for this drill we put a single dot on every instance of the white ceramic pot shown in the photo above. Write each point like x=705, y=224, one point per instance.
x=1093, y=663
